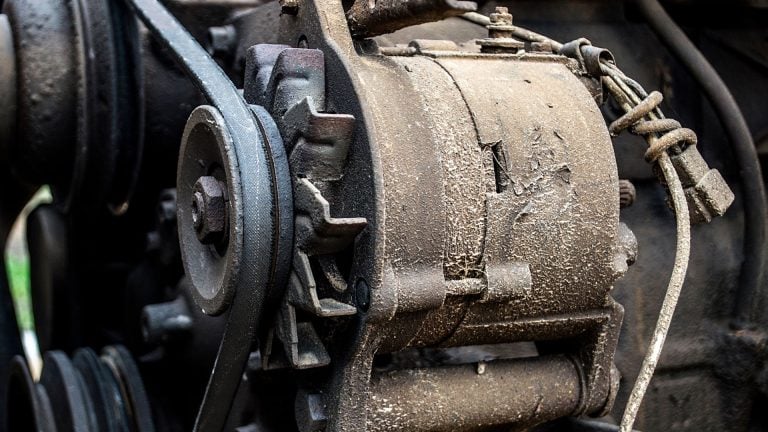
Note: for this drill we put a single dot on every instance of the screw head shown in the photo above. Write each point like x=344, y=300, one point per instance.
x=209, y=210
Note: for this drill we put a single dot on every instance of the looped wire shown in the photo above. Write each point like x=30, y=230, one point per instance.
x=673, y=134
x=669, y=140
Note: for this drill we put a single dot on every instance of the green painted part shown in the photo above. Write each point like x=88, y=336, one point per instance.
x=18, y=277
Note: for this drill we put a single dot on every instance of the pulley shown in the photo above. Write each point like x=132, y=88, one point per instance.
x=84, y=393
x=75, y=120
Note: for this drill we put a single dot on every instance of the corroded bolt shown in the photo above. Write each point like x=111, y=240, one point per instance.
x=500, y=32
x=209, y=209
x=501, y=24
x=501, y=16
x=627, y=193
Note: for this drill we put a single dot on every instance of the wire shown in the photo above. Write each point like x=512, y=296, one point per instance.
x=643, y=117
x=670, y=299
x=671, y=135
x=755, y=207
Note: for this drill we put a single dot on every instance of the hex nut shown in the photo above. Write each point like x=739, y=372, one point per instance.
x=209, y=210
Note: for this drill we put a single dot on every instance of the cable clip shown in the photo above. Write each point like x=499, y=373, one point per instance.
x=588, y=55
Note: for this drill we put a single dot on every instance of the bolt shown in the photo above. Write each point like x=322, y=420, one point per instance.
x=222, y=40
x=627, y=193
x=209, y=210
x=501, y=24
x=166, y=207
x=310, y=410
x=501, y=16
x=289, y=7
x=500, y=32
x=163, y=321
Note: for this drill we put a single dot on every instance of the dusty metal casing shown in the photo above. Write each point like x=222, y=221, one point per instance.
x=490, y=189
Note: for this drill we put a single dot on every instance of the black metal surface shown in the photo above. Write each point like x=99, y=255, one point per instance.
x=80, y=105
x=45, y=53
x=86, y=393
x=254, y=191
x=119, y=360
x=53, y=303
x=8, y=87
x=212, y=267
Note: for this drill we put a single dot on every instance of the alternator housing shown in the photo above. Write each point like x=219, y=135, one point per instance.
x=490, y=190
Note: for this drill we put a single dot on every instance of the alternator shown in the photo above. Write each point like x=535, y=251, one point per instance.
x=443, y=196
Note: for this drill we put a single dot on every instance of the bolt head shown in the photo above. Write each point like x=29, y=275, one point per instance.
x=209, y=210
x=222, y=40
x=310, y=410
x=166, y=207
